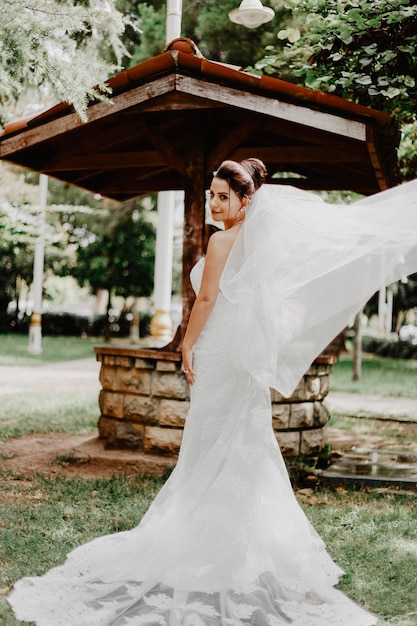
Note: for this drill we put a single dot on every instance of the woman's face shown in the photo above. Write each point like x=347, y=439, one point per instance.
x=225, y=204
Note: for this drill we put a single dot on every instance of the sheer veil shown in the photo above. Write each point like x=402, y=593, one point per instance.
x=301, y=268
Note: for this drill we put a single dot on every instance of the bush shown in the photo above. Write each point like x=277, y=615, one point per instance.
x=74, y=325
x=394, y=348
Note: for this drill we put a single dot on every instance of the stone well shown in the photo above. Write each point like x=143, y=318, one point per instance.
x=144, y=401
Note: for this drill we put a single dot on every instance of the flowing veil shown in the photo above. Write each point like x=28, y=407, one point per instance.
x=301, y=268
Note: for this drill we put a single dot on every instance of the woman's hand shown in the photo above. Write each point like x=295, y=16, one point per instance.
x=187, y=364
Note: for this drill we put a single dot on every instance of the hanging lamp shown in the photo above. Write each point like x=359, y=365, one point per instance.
x=251, y=13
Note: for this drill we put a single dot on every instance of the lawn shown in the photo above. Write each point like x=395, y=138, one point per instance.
x=60, y=410
x=14, y=349
x=371, y=534
x=380, y=376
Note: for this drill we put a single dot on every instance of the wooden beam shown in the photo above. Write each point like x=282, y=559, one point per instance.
x=109, y=161
x=95, y=142
x=175, y=101
x=303, y=115
x=52, y=129
x=166, y=148
x=82, y=143
x=297, y=154
x=378, y=166
x=228, y=145
x=196, y=89
x=270, y=128
x=126, y=182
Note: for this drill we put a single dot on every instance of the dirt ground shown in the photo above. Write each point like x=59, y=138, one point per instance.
x=58, y=454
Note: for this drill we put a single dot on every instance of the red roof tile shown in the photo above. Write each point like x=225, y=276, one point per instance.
x=183, y=56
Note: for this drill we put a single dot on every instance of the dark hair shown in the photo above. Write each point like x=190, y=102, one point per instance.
x=244, y=177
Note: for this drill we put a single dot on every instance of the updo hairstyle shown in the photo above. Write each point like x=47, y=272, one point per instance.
x=244, y=177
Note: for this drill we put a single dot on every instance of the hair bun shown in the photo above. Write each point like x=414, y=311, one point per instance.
x=244, y=177
x=257, y=171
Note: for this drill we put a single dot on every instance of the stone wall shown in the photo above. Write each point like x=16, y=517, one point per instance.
x=145, y=399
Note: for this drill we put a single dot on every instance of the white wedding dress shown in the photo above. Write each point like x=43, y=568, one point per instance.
x=225, y=542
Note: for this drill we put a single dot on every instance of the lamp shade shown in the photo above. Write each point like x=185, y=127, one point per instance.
x=251, y=14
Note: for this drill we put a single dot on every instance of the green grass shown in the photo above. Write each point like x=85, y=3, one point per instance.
x=380, y=376
x=395, y=435
x=14, y=349
x=372, y=535
x=41, y=520
x=61, y=410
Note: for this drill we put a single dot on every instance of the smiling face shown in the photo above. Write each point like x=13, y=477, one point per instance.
x=225, y=204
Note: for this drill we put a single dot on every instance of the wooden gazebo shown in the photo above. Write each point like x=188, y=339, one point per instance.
x=171, y=121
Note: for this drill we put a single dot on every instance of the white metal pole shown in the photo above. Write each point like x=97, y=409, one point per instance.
x=35, y=328
x=173, y=23
x=161, y=323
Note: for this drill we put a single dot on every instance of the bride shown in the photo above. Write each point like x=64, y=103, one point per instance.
x=225, y=541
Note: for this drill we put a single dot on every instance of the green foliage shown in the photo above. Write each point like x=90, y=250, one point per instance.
x=220, y=39
x=57, y=44
x=17, y=235
x=102, y=244
x=206, y=22
x=20, y=225
x=389, y=347
x=407, y=152
x=362, y=50
x=152, y=39
x=118, y=257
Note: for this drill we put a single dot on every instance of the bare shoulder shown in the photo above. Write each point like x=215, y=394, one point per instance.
x=221, y=241
x=218, y=249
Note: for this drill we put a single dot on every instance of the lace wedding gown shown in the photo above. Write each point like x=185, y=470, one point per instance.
x=225, y=542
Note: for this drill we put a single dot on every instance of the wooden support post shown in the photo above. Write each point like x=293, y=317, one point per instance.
x=194, y=218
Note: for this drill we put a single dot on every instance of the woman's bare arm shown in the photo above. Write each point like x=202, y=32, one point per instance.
x=217, y=252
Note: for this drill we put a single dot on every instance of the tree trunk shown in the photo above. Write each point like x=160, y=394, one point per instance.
x=107, y=331
x=194, y=218
x=357, y=347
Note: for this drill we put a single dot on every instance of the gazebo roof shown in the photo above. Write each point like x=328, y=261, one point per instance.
x=137, y=144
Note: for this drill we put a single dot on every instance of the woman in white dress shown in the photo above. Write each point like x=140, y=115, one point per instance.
x=225, y=542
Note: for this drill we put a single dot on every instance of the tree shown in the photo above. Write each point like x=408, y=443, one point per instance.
x=17, y=233
x=19, y=229
x=206, y=22
x=120, y=258
x=57, y=45
x=363, y=51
